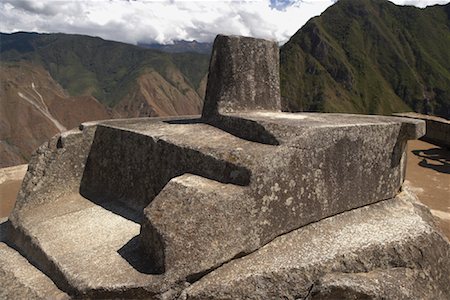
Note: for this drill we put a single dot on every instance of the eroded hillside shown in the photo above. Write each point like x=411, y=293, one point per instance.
x=52, y=82
x=33, y=107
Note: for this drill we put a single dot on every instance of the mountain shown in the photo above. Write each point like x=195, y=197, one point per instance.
x=359, y=56
x=181, y=46
x=107, y=70
x=52, y=82
x=370, y=56
x=34, y=107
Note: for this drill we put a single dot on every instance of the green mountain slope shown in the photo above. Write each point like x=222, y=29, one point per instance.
x=53, y=82
x=106, y=70
x=370, y=56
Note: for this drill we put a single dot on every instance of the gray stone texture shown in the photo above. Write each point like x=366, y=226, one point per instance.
x=165, y=174
x=395, y=283
x=324, y=165
x=210, y=232
x=388, y=250
x=242, y=202
x=243, y=76
x=20, y=280
x=438, y=129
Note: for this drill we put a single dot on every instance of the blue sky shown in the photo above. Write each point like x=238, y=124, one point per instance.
x=164, y=21
x=281, y=4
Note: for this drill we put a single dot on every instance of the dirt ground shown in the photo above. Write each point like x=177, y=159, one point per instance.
x=428, y=172
x=10, y=182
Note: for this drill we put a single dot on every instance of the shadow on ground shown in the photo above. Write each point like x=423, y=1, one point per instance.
x=437, y=159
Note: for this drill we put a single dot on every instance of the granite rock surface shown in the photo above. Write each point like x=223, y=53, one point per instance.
x=243, y=202
x=387, y=250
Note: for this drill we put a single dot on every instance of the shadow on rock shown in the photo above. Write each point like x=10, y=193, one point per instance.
x=133, y=253
x=4, y=226
x=437, y=159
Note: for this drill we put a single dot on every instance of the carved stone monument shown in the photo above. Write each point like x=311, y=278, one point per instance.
x=243, y=202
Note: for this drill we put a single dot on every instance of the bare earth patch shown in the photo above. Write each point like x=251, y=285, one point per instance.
x=428, y=171
x=10, y=182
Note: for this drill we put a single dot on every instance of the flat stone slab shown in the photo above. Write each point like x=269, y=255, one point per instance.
x=21, y=280
x=395, y=238
x=281, y=127
x=394, y=283
x=88, y=243
x=438, y=129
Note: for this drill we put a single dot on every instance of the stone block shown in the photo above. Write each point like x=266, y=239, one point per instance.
x=386, y=250
x=243, y=76
x=323, y=165
x=437, y=129
x=206, y=225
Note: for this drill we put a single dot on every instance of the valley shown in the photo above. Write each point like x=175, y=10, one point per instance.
x=53, y=82
x=368, y=56
x=34, y=107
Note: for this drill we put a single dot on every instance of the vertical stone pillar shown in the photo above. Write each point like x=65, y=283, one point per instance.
x=243, y=76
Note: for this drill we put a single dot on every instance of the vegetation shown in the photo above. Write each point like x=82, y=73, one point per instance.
x=90, y=65
x=370, y=56
x=359, y=56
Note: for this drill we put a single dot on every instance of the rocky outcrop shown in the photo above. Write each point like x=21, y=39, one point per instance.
x=239, y=203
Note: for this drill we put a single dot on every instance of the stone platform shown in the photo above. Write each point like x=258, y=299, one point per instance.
x=244, y=201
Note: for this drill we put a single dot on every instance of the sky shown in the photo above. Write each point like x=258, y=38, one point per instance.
x=163, y=21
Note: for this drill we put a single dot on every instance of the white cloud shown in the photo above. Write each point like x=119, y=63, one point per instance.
x=160, y=21
x=419, y=3
x=163, y=21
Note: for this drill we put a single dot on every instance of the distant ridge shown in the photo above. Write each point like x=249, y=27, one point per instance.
x=50, y=82
x=107, y=70
x=359, y=56
x=180, y=47
x=370, y=56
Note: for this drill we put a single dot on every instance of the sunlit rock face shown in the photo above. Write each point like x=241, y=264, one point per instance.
x=244, y=201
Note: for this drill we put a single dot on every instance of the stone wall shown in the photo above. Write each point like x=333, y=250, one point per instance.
x=437, y=129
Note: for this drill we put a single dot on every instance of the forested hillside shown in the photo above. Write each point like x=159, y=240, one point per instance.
x=370, y=56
